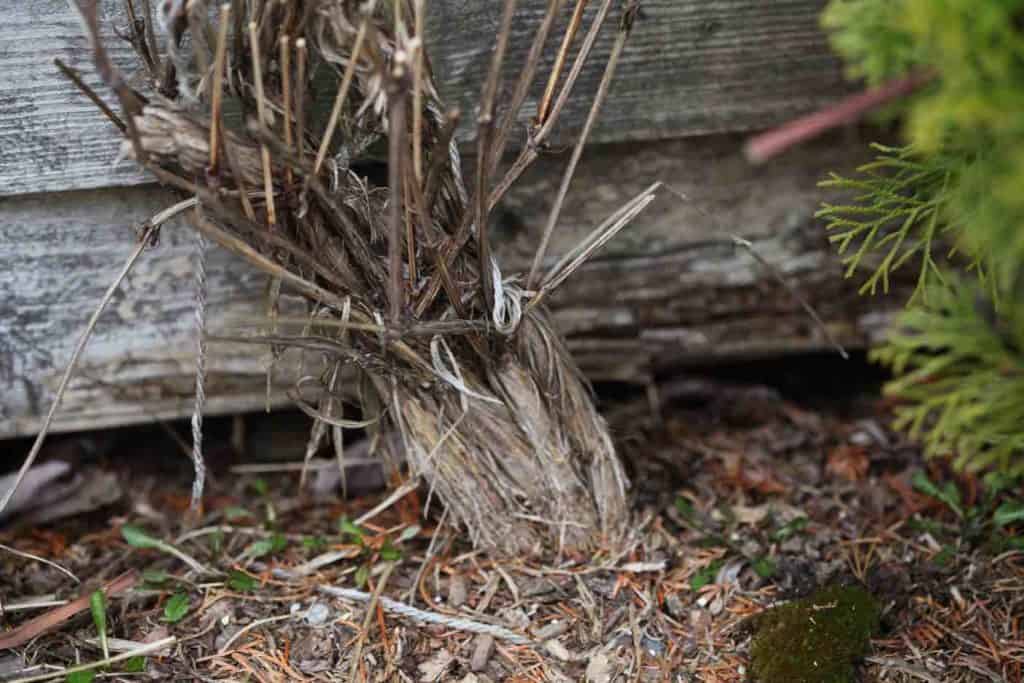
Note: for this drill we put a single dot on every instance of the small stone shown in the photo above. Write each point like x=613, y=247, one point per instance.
x=674, y=606
x=557, y=650
x=317, y=614
x=515, y=618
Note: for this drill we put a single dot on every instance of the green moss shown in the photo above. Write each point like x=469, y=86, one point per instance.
x=814, y=640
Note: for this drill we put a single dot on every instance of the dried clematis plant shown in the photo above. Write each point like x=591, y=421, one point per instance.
x=407, y=309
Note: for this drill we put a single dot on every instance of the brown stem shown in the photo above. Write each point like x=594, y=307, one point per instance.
x=261, y=108
x=526, y=157
x=524, y=83
x=563, y=51
x=218, y=85
x=417, y=93
x=346, y=82
x=300, y=99
x=439, y=159
x=75, y=78
x=286, y=96
x=396, y=154
x=485, y=125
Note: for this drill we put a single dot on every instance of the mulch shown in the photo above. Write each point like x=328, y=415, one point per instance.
x=742, y=500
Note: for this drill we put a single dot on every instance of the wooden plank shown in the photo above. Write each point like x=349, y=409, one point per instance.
x=59, y=254
x=692, y=67
x=666, y=291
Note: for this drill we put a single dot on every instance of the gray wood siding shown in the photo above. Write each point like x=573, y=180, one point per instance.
x=663, y=293
x=692, y=67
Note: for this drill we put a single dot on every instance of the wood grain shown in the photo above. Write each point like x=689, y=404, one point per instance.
x=692, y=67
x=668, y=291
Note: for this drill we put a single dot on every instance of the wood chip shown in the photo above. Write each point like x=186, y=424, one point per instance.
x=599, y=669
x=482, y=651
x=457, y=592
x=435, y=668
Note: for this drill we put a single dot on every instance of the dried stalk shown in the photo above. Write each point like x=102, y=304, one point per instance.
x=261, y=107
x=83, y=340
x=218, y=86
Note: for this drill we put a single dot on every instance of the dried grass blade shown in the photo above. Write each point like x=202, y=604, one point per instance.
x=346, y=82
x=218, y=86
x=563, y=52
x=524, y=83
x=261, y=107
x=597, y=239
x=602, y=92
x=143, y=242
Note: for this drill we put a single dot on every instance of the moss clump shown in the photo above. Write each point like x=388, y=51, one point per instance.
x=814, y=640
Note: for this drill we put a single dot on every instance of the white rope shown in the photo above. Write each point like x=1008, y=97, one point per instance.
x=198, y=483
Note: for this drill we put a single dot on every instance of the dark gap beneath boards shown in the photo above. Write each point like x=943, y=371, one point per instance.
x=824, y=381
x=821, y=380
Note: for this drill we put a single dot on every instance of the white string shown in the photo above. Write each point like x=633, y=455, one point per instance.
x=508, y=306
x=453, y=376
x=198, y=483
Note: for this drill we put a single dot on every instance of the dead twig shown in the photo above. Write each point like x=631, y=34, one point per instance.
x=144, y=241
x=54, y=618
x=261, y=108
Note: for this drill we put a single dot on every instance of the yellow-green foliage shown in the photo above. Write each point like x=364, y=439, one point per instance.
x=960, y=369
x=974, y=110
x=960, y=176
x=814, y=640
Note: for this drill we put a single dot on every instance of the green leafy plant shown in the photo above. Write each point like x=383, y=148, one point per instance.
x=314, y=543
x=945, y=203
x=789, y=529
x=176, y=608
x=895, y=216
x=705, y=576
x=241, y=582
x=98, y=607
x=135, y=665
x=373, y=550
x=267, y=546
x=138, y=538
x=989, y=522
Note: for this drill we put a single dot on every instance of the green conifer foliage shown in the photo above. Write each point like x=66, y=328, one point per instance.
x=949, y=202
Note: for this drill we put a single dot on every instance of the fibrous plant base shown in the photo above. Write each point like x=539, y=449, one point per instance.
x=408, y=311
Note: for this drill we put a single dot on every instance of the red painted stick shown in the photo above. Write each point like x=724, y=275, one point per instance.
x=762, y=147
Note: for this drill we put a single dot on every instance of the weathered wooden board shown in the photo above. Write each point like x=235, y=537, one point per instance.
x=58, y=254
x=665, y=292
x=692, y=67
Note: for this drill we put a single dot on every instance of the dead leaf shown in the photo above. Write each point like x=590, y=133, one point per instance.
x=849, y=462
